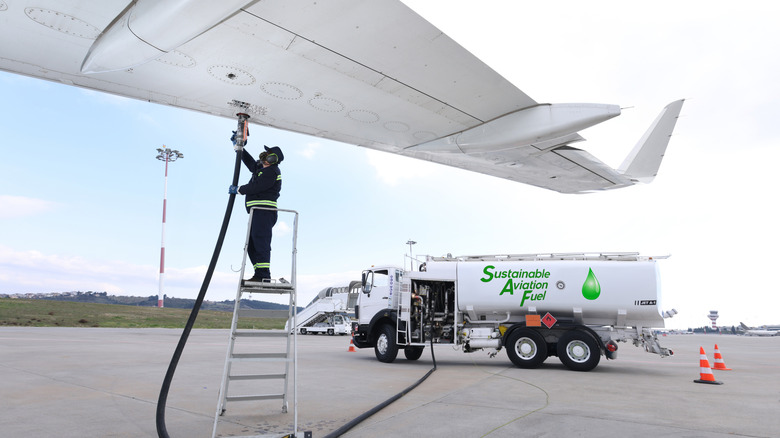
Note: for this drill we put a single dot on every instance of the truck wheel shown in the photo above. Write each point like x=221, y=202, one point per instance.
x=413, y=353
x=578, y=350
x=526, y=348
x=331, y=332
x=303, y=331
x=385, y=348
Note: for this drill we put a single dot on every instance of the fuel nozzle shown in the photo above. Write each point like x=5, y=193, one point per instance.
x=242, y=131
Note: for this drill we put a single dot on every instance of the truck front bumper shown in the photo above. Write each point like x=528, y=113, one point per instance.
x=360, y=336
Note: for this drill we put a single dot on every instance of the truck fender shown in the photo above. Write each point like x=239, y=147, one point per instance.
x=599, y=341
x=384, y=317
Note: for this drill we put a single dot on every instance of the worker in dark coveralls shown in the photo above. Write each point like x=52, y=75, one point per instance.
x=262, y=190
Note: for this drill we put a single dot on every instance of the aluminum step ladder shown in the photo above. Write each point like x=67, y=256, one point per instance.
x=260, y=363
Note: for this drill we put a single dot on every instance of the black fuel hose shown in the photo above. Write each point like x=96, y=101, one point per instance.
x=357, y=420
x=161, y=430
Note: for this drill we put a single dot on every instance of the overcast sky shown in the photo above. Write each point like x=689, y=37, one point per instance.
x=81, y=192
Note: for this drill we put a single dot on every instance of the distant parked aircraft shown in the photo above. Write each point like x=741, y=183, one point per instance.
x=764, y=330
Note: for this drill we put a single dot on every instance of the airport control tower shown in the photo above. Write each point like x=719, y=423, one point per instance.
x=713, y=316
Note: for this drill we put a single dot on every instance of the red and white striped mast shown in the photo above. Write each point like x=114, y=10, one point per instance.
x=165, y=155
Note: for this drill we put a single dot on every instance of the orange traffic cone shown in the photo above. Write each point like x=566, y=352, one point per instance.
x=719, y=364
x=706, y=372
x=351, y=346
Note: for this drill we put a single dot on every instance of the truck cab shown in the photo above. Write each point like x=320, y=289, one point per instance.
x=401, y=310
x=375, y=304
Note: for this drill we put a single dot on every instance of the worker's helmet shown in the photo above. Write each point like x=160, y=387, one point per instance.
x=272, y=155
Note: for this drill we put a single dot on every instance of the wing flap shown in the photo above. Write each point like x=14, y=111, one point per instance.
x=564, y=170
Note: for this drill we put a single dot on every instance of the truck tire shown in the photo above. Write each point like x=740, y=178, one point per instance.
x=413, y=353
x=331, y=332
x=385, y=347
x=578, y=350
x=303, y=331
x=526, y=348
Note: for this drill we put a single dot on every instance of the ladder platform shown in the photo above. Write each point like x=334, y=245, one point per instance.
x=273, y=287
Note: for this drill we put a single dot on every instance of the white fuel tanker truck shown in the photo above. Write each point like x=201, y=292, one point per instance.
x=574, y=306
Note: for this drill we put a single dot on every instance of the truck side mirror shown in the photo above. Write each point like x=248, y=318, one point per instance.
x=367, y=281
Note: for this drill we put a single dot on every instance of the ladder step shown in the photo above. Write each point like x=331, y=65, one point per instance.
x=275, y=435
x=260, y=357
x=260, y=334
x=255, y=397
x=257, y=376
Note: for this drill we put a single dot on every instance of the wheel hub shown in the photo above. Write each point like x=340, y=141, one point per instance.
x=525, y=348
x=381, y=344
x=578, y=351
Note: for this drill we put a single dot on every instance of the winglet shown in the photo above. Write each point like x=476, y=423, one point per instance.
x=644, y=160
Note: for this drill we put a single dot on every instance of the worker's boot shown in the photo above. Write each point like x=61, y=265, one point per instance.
x=261, y=275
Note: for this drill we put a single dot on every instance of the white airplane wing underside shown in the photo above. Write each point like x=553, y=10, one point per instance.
x=372, y=74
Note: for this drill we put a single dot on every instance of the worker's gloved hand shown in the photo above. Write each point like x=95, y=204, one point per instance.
x=233, y=190
x=234, y=141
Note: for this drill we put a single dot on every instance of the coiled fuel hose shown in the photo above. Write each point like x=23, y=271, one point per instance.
x=161, y=401
x=357, y=420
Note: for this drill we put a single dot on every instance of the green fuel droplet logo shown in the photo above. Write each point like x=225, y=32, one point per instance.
x=591, y=289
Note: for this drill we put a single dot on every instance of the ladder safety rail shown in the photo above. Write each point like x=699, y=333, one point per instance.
x=263, y=358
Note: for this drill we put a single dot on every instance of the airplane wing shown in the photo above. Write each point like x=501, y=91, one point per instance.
x=371, y=74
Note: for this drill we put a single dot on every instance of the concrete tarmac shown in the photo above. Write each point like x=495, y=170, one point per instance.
x=95, y=382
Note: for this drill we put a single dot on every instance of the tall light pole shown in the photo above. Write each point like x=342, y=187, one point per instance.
x=166, y=155
x=411, y=258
